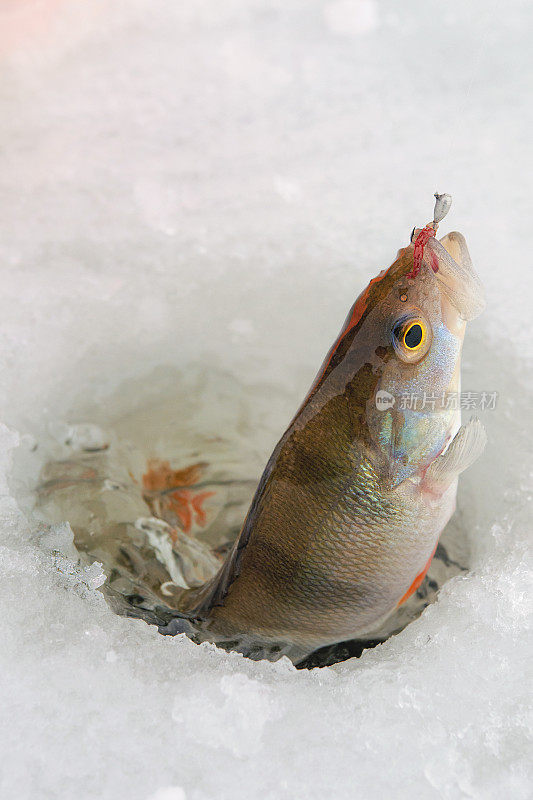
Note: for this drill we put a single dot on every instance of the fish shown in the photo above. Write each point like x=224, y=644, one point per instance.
x=348, y=513
x=352, y=502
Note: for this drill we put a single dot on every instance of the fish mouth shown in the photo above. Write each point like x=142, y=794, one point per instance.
x=456, y=276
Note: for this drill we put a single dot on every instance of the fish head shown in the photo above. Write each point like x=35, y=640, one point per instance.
x=395, y=367
x=421, y=323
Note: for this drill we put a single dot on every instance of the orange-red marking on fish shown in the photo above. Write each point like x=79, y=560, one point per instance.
x=417, y=581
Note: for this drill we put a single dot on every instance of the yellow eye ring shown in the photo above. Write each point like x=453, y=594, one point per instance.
x=414, y=336
x=411, y=337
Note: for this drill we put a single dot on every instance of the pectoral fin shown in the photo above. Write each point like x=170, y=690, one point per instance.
x=465, y=448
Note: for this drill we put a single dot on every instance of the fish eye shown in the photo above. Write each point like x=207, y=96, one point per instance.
x=411, y=338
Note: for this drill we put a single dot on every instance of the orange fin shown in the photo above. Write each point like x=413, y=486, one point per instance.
x=417, y=581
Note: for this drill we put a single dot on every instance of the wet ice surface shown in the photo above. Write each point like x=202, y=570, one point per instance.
x=213, y=185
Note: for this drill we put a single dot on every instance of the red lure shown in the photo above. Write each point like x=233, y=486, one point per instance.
x=442, y=206
x=420, y=242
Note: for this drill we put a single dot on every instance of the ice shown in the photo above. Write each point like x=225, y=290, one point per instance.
x=213, y=183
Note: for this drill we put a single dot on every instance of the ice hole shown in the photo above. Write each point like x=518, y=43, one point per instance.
x=212, y=433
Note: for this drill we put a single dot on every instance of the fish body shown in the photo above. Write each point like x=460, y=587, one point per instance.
x=352, y=502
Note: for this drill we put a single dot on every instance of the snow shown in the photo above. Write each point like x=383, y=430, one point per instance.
x=214, y=183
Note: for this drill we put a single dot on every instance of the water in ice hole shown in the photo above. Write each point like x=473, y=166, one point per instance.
x=157, y=494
